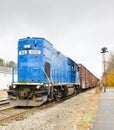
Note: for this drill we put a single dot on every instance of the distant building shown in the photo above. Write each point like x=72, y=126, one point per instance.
x=5, y=77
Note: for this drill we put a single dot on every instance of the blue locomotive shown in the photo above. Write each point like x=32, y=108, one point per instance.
x=43, y=74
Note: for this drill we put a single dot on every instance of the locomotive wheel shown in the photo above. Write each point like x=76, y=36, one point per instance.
x=77, y=90
x=58, y=95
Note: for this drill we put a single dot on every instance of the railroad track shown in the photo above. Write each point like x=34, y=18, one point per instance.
x=19, y=113
x=14, y=113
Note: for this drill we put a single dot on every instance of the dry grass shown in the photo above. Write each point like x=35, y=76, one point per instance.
x=88, y=112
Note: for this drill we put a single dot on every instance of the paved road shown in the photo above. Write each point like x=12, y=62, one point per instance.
x=105, y=116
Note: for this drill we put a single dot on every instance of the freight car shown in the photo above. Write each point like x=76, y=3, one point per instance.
x=87, y=79
x=43, y=74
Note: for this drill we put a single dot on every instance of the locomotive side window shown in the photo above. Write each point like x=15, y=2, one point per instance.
x=47, y=69
x=22, y=52
x=35, y=52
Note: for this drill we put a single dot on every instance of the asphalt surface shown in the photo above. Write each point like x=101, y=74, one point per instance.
x=105, y=117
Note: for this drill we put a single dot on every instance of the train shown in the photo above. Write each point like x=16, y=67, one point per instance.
x=44, y=74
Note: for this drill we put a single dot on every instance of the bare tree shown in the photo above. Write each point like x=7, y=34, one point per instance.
x=110, y=63
x=1, y=62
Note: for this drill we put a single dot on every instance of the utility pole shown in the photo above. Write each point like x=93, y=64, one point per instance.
x=103, y=51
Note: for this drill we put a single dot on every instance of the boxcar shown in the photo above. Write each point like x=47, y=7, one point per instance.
x=87, y=79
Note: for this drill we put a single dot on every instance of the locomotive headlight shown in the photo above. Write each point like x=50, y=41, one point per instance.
x=27, y=46
x=46, y=85
x=38, y=87
x=14, y=86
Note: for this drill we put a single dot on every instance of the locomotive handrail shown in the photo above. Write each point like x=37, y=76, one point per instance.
x=49, y=80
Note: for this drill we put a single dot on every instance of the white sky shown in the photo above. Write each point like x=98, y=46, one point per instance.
x=77, y=28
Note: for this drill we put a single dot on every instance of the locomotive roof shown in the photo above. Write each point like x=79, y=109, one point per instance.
x=35, y=38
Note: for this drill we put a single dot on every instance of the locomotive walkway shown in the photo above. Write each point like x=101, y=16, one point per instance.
x=105, y=116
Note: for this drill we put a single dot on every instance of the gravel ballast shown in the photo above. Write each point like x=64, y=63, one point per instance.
x=63, y=116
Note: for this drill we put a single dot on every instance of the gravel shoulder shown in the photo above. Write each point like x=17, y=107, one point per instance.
x=77, y=113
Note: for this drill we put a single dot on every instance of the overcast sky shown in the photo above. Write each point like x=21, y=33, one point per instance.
x=77, y=28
